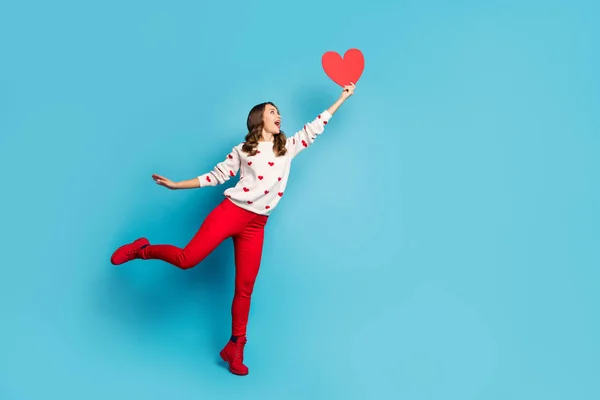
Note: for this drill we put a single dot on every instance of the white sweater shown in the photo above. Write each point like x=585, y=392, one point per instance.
x=263, y=177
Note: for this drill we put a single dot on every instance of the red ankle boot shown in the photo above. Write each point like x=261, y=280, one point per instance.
x=128, y=251
x=233, y=353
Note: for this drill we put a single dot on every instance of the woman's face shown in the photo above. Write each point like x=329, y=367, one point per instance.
x=271, y=119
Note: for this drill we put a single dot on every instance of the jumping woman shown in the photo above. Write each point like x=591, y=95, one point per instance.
x=263, y=161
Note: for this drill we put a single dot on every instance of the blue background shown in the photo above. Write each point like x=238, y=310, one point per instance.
x=439, y=241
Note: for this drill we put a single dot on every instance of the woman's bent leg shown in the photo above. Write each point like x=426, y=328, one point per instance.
x=218, y=226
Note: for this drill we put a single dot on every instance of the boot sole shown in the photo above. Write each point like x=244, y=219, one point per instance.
x=224, y=357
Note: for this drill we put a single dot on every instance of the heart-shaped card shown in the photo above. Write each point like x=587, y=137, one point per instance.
x=344, y=70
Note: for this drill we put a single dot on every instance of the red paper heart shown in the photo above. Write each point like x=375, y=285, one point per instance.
x=343, y=70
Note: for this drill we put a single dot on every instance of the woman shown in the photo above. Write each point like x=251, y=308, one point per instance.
x=264, y=161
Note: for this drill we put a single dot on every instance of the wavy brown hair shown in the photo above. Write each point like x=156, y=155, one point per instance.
x=255, y=126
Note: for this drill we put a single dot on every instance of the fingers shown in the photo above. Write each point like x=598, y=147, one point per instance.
x=160, y=180
x=350, y=87
x=348, y=90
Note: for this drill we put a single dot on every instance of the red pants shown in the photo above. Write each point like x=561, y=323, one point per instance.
x=226, y=220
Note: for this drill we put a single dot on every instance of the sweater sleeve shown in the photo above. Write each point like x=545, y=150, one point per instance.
x=223, y=171
x=307, y=135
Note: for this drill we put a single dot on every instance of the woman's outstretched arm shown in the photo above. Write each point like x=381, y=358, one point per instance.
x=307, y=135
x=169, y=184
x=221, y=173
x=347, y=92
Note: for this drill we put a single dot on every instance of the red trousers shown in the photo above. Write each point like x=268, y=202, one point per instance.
x=225, y=221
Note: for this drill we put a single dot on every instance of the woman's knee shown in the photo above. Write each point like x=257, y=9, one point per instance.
x=184, y=261
x=244, y=287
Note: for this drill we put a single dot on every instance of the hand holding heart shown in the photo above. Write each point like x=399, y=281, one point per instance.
x=348, y=91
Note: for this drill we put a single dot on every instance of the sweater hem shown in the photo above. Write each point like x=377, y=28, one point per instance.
x=249, y=207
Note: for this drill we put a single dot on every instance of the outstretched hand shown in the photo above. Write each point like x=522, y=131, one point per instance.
x=160, y=180
x=348, y=91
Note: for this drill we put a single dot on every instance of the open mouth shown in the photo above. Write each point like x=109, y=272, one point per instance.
x=277, y=123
